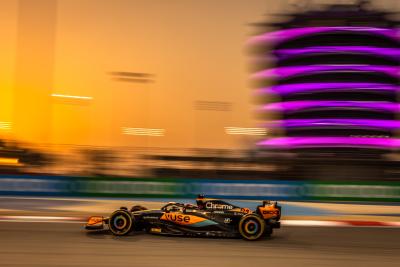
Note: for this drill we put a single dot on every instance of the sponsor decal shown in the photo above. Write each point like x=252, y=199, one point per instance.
x=275, y=212
x=210, y=205
x=115, y=187
x=245, y=210
x=180, y=218
x=176, y=217
x=269, y=212
x=227, y=220
x=155, y=230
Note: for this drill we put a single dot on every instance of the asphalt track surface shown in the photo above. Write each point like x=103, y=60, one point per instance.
x=67, y=244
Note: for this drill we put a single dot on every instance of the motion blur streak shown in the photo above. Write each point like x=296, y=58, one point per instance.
x=287, y=89
x=293, y=142
x=12, y=161
x=5, y=125
x=303, y=123
x=287, y=34
x=245, y=131
x=143, y=131
x=285, y=72
x=73, y=96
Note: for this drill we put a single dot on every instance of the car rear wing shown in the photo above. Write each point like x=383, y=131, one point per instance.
x=270, y=210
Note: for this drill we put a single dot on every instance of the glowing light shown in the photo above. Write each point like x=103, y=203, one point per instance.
x=304, y=142
x=73, y=96
x=337, y=123
x=385, y=52
x=288, y=34
x=245, y=131
x=293, y=106
x=143, y=131
x=287, y=89
x=5, y=125
x=285, y=72
x=9, y=161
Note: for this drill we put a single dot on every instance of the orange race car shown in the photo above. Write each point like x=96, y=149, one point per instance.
x=210, y=217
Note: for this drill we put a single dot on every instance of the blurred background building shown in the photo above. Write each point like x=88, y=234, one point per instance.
x=335, y=77
x=330, y=95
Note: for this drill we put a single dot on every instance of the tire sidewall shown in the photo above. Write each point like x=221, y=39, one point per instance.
x=255, y=219
x=125, y=215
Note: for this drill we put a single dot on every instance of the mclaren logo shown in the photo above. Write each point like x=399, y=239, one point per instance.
x=210, y=205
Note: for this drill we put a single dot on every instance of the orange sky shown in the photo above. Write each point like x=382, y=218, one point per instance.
x=195, y=49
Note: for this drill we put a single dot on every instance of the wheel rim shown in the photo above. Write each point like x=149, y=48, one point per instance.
x=120, y=222
x=251, y=227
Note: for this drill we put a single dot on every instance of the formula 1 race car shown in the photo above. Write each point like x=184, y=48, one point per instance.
x=211, y=217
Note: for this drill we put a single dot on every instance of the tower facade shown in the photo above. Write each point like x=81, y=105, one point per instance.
x=328, y=80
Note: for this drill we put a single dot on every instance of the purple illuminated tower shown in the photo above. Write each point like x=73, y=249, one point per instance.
x=328, y=81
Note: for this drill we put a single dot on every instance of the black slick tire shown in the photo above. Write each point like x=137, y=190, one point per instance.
x=120, y=223
x=252, y=227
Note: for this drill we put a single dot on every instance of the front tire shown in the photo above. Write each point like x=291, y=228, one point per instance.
x=120, y=223
x=252, y=227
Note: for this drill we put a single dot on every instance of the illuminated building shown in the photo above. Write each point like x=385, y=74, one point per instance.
x=333, y=80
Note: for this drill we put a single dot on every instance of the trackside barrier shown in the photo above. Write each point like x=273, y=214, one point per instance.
x=29, y=185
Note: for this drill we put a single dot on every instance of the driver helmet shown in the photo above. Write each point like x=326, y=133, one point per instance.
x=200, y=202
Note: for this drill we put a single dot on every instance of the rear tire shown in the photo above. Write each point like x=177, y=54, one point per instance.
x=252, y=227
x=120, y=223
